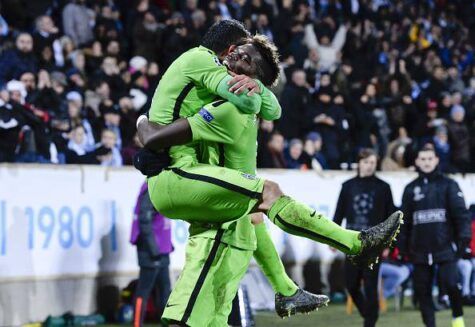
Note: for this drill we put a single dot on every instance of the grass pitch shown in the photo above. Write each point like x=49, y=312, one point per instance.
x=335, y=316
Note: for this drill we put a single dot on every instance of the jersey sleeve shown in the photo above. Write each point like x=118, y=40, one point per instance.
x=204, y=69
x=218, y=122
x=270, y=107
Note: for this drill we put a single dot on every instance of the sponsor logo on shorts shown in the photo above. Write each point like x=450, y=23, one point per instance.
x=249, y=176
x=206, y=115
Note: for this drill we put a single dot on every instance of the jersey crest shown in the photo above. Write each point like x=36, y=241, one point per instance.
x=216, y=60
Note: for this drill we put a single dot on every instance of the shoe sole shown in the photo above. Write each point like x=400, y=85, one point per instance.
x=305, y=309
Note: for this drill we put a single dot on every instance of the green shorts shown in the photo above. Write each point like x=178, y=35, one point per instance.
x=203, y=294
x=204, y=193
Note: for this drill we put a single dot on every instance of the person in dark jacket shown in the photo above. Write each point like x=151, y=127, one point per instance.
x=436, y=232
x=151, y=233
x=364, y=201
x=459, y=138
x=16, y=61
x=294, y=100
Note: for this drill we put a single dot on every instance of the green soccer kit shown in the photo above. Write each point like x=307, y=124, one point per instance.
x=193, y=80
x=188, y=84
x=203, y=294
x=212, y=195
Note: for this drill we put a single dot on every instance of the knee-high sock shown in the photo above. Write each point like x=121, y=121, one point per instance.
x=269, y=261
x=299, y=219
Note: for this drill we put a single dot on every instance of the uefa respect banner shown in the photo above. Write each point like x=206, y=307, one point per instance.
x=76, y=220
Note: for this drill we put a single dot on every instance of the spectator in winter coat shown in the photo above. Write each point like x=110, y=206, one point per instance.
x=275, y=154
x=294, y=100
x=459, y=138
x=77, y=22
x=312, y=156
x=293, y=155
x=16, y=61
x=46, y=33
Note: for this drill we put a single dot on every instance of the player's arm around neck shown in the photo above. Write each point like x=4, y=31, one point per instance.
x=247, y=104
x=270, y=107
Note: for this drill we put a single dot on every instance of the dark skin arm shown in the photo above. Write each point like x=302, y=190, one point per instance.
x=157, y=137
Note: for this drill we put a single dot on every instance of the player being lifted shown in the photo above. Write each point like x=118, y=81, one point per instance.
x=188, y=85
x=207, y=194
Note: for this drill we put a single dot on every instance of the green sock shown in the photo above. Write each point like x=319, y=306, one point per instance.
x=269, y=261
x=301, y=220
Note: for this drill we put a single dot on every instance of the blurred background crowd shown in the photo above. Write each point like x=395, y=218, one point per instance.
x=386, y=75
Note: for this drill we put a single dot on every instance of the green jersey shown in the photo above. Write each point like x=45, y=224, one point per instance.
x=228, y=138
x=193, y=80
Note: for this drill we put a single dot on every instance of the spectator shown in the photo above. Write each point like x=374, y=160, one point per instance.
x=435, y=218
x=4, y=30
x=75, y=115
x=112, y=119
x=393, y=272
x=10, y=125
x=147, y=37
x=266, y=128
x=397, y=153
x=293, y=155
x=15, y=62
x=78, y=150
x=294, y=100
x=364, y=201
x=128, y=152
x=46, y=33
x=77, y=22
x=386, y=74
x=151, y=233
x=326, y=119
x=109, y=142
x=29, y=81
x=52, y=93
x=328, y=50
x=459, y=139
x=275, y=155
x=313, y=156
x=442, y=148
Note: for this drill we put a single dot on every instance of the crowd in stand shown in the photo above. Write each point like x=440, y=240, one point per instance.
x=388, y=75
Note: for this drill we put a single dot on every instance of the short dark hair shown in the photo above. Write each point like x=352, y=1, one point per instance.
x=267, y=68
x=428, y=147
x=221, y=35
x=366, y=153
